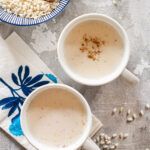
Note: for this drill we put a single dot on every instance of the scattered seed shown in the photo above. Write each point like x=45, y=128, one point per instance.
x=105, y=146
x=102, y=143
x=147, y=106
x=125, y=135
x=97, y=138
x=128, y=112
x=108, y=142
x=129, y=119
x=112, y=147
x=108, y=138
x=114, y=136
x=114, y=111
x=116, y=145
x=105, y=137
x=141, y=113
x=134, y=116
x=121, y=110
x=121, y=136
x=115, y=2
x=102, y=134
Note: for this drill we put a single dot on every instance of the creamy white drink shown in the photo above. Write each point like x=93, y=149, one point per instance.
x=56, y=118
x=93, y=49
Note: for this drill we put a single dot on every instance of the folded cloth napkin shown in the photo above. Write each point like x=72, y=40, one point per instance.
x=21, y=71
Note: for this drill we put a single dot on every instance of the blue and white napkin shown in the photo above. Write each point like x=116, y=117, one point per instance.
x=21, y=71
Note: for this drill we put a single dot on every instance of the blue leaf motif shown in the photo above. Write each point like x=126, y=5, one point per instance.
x=12, y=110
x=40, y=84
x=14, y=78
x=51, y=77
x=26, y=90
x=27, y=72
x=20, y=72
x=28, y=79
x=8, y=105
x=35, y=79
x=6, y=100
x=15, y=127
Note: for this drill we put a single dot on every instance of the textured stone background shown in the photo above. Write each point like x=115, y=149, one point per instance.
x=133, y=15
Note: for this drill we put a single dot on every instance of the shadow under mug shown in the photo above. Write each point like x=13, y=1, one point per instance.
x=84, y=141
x=121, y=68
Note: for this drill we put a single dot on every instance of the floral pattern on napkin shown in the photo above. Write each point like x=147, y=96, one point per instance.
x=25, y=84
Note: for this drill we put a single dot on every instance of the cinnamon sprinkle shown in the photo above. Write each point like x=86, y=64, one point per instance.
x=91, y=46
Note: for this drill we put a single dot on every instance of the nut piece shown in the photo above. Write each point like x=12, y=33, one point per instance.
x=102, y=142
x=128, y=112
x=116, y=145
x=125, y=136
x=115, y=2
x=129, y=119
x=121, y=110
x=112, y=147
x=134, y=116
x=147, y=106
x=107, y=142
x=121, y=136
x=114, y=136
x=105, y=146
x=141, y=113
x=97, y=138
x=114, y=111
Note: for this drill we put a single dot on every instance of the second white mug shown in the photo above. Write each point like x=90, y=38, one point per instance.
x=46, y=101
x=121, y=68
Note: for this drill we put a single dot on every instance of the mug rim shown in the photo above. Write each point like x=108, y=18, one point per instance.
x=27, y=133
x=121, y=66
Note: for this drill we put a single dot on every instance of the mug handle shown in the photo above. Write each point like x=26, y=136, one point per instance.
x=90, y=145
x=129, y=76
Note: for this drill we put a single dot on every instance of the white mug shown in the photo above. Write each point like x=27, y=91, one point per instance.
x=84, y=140
x=121, y=69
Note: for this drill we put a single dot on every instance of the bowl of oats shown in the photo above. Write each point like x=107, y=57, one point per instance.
x=30, y=12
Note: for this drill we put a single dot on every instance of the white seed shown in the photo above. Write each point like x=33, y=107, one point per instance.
x=147, y=149
x=97, y=139
x=102, y=143
x=115, y=2
x=125, y=135
x=121, y=136
x=108, y=138
x=121, y=110
x=134, y=116
x=105, y=137
x=141, y=113
x=128, y=112
x=114, y=136
x=129, y=119
x=116, y=145
x=112, y=147
x=108, y=142
x=105, y=146
x=102, y=135
x=114, y=111
x=147, y=106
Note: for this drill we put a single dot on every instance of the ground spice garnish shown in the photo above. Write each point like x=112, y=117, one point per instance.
x=92, y=46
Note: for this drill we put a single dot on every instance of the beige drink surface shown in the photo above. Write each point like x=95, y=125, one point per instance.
x=56, y=118
x=107, y=61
